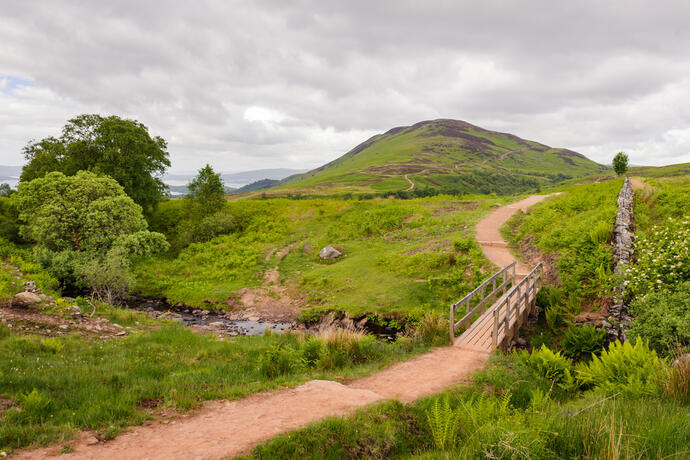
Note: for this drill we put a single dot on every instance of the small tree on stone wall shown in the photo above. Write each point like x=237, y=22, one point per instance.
x=620, y=163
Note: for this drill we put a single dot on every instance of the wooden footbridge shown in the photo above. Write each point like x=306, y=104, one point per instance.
x=495, y=310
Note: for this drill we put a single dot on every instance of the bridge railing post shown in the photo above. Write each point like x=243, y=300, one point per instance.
x=494, y=332
x=506, y=318
x=452, y=323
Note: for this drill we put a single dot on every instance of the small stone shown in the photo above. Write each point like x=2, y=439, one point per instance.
x=683, y=360
x=329, y=253
x=91, y=440
x=25, y=300
x=216, y=324
x=63, y=327
x=253, y=318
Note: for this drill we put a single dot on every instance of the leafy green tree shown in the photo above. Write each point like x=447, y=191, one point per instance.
x=5, y=190
x=206, y=191
x=620, y=163
x=86, y=229
x=122, y=149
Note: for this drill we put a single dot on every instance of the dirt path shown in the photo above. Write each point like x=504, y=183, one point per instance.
x=411, y=187
x=222, y=429
x=489, y=236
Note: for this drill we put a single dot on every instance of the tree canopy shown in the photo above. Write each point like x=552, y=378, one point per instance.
x=83, y=212
x=206, y=191
x=119, y=148
x=620, y=163
x=86, y=229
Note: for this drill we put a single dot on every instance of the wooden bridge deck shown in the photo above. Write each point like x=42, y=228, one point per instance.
x=479, y=334
x=500, y=313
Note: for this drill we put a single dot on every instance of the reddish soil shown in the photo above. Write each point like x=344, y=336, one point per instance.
x=272, y=301
x=37, y=323
x=489, y=237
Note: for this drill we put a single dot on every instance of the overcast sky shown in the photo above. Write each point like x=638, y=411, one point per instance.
x=248, y=85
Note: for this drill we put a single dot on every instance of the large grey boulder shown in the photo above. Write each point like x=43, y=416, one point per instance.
x=329, y=253
x=25, y=300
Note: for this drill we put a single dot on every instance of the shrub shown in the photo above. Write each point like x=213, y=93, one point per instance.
x=108, y=278
x=663, y=258
x=624, y=368
x=311, y=351
x=35, y=406
x=207, y=228
x=280, y=360
x=463, y=244
x=52, y=345
x=554, y=318
x=601, y=233
x=550, y=365
x=582, y=341
x=663, y=319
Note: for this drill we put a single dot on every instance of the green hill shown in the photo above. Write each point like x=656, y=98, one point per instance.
x=447, y=155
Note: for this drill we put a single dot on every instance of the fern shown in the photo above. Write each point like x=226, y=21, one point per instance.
x=551, y=365
x=630, y=369
x=443, y=423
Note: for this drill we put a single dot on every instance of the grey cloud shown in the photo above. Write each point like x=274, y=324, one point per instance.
x=593, y=76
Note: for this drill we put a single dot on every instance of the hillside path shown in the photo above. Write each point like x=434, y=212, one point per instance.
x=223, y=429
x=411, y=187
x=489, y=237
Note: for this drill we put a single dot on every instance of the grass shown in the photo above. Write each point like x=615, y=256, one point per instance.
x=399, y=255
x=62, y=385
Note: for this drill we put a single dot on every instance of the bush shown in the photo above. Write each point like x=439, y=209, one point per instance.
x=207, y=228
x=280, y=360
x=663, y=258
x=463, y=244
x=663, y=319
x=624, y=368
x=582, y=341
x=35, y=406
x=550, y=365
x=108, y=278
x=601, y=233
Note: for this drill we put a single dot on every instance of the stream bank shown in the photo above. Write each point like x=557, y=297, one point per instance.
x=222, y=323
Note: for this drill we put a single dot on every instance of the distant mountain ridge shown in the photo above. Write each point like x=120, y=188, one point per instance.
x=449, y=155
x=234, y=182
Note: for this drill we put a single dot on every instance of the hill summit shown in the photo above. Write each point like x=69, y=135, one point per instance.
x=447, y=155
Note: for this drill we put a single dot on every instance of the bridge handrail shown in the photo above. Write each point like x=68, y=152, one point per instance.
x=530, y=281
x=470, y=311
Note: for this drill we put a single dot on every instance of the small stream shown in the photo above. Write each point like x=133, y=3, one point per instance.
x=221, y=323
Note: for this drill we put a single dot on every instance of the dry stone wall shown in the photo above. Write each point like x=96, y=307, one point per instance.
x=623, y=250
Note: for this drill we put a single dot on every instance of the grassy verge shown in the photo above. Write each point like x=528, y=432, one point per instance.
x=399, y=255
x=511, y=411
x=60, y=385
